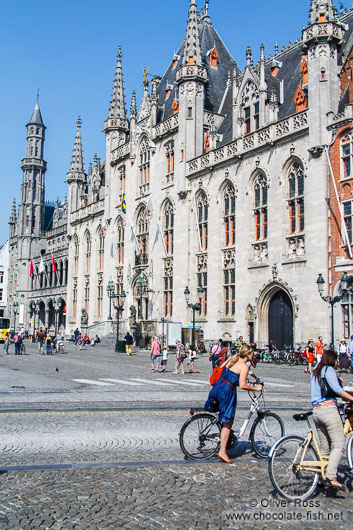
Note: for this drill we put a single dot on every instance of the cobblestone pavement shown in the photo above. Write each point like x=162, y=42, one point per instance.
x=103, y=452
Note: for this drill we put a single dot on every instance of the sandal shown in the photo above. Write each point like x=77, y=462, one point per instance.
x=333, y=484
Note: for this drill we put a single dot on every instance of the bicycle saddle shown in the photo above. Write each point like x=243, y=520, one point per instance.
x=303, y=416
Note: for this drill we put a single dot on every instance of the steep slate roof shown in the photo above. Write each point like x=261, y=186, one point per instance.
x=217, y=77
x=36, y=118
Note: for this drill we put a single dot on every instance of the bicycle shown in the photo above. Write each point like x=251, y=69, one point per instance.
x=296, y=464
x=199, y=437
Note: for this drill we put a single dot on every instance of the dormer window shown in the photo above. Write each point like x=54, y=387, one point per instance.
x=322, y=17
x=191, y=60
x=323, y=74
x=175, y=107
x=251, y=109
x=274, y=71
x=214, y=57
x=175, y=62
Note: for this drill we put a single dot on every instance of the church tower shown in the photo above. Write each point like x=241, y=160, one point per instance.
x=321, y=39
x=191, y=78
x=31, y=205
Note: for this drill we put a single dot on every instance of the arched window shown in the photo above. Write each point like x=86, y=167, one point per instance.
x=346, y=155
x=202, y=216
x=144, y=167
x=120, y=242
x=229, y=216
x=260, y=207
x=88, y=251
x=168, y=226
x=296, y=198
x=250, y=107
x=99, y=295
x=101, y=239
x=142, y=238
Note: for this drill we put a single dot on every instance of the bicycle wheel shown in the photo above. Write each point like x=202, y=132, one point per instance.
x=291, y=359
x=287, y=477
x=266, y=429
x=350, y=451
x=199, y=437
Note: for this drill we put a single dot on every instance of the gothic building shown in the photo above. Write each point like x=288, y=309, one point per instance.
x=217, y=183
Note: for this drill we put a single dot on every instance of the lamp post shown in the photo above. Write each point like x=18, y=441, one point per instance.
x=111, y=295
x=119, y=309
x=57, y=306
x=332, y=300
x=195, y=307
x=141, y=286
x=15, y=311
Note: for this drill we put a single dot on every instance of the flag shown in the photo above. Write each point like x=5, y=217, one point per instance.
x=53, y=263
x=132, y=234
x=31, y=269
x=123, y=205
x=41, y=265
x=156, y=237
x=148, y=211
x=104, y=224
x=112, y=251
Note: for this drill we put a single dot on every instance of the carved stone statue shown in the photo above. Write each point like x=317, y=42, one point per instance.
x=132, y=315
x=84, y=317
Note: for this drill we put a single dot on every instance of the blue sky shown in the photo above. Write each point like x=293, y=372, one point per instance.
x=67, y=49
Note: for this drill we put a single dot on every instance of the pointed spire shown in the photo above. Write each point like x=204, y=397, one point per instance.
x=36, y=118
x=76, y=169
x=117, y=107
x=192, y=51
x=13, y=212
x=133, y=106
x=249, y=60
x=262, y=68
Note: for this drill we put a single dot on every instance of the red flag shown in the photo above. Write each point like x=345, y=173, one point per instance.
x=53, y=263
x=31, y=269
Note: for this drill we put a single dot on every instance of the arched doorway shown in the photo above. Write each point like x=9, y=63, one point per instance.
x=280, y=320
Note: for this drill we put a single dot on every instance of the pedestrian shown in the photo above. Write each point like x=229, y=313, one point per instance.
x=309, y=350
x=15, y=339
x=129, y=340
x=59, y=342
x=239, y=342
x=215, y=352
x=326, y=415
x=319, y=349
x=7, y=342
x=180, y=356
x=79, y=340
x=164, y=358
x=191, y=358
x=351, y=352
x=155, y=354
x=343, y=361
x=41, y=339
x=76, y=332
x=48, y=345
x=224, y=394
x=19, y=343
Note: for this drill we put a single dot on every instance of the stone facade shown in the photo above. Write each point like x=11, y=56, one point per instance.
x=217, y=182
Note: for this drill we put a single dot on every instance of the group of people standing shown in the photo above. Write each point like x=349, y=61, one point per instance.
x=159, y=357
x=313, y=354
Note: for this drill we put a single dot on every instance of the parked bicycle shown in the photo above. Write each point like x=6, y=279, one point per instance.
x=296, y=464
x=199, y=437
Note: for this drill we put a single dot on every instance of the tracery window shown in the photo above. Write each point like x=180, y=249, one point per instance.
x=296, y=198
x=347, y=314
x=202, y=282
x=170, y=157
x=229, y=216
x=168, y=296
x=346, y=155
x=229, y=292
x=250, y=106
x=168, y=225
x=144, y=166
x=101, y=250
x=120, y=242
x=202, y=216
x=88, y=244
x=99, y=295
x=122, y=179
x=142, y=238
x=348, y=215
x=260, y=207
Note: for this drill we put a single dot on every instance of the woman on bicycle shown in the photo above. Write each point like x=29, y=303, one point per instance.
x=326, y=415
x=235, y=372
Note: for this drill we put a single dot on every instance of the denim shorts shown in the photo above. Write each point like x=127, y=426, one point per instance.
x=154, y=358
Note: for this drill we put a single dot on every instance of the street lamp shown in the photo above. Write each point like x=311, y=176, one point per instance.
x=34, y=306
x=15, y=311
x=111, y=295
x=119, y=309
x=332, y=300
x=57, y=306
x=141, y=286
x=194, y=307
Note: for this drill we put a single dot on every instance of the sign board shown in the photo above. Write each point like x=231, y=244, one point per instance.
x=173, y=333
